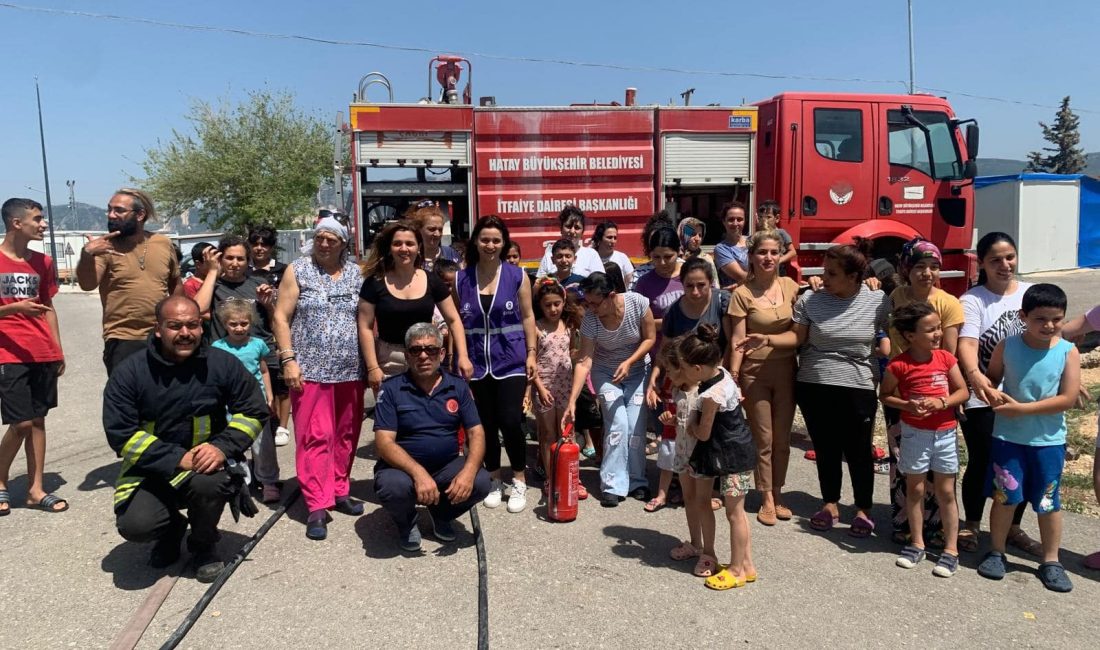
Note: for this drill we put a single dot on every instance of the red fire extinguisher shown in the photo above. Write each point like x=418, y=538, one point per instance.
x=564, y=476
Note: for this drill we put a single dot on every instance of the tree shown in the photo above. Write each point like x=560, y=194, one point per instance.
x=260, y=161
x=1065, y=157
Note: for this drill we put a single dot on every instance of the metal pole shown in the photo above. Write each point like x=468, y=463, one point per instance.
x=46, y=176
x=912, y=64
x=72, y=221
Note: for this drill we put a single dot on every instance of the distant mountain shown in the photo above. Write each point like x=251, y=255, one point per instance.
x=86, y=217
x=1007, y=166
x=82, y=217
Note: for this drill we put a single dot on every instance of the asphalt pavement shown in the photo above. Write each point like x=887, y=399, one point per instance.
x=602, y=581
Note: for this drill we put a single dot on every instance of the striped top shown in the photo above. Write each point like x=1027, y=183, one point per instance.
x=839, y=347
x=615, y=346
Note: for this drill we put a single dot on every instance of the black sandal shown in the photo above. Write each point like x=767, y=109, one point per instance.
x=5, y=499
x=47, y=503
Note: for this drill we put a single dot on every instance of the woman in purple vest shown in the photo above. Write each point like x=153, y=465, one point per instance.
x=494, y=303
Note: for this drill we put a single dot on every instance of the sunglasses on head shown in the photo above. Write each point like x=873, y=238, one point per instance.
x=426, y=203
x=430, y=350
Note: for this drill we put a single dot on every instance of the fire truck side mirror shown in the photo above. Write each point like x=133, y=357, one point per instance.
x=972, y=141
x=970, y=169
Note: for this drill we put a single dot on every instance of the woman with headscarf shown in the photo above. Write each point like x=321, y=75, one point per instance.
x=318, y=349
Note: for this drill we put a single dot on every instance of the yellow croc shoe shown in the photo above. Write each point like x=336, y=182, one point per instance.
x=724, y=580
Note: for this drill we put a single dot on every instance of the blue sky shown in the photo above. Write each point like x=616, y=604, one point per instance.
x=111, y=89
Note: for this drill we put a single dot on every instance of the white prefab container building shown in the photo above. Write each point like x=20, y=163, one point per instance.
x=1040, y=211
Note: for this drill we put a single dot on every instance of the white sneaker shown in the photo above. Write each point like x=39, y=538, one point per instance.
x=282, y=437
x=517, y=500
x=496, y=494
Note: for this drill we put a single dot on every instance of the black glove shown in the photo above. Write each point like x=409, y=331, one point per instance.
x=239, y=500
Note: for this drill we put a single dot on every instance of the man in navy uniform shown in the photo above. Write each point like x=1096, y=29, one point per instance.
x=416, y=423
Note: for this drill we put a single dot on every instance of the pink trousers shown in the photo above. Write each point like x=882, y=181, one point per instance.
x=327, y=420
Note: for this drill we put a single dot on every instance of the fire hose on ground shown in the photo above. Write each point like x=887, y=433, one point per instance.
x=130, y=635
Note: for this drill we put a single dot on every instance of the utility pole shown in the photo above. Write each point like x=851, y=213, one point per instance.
x=72, y=221
x=72, y=200
x=912, y=64
x=46, y=177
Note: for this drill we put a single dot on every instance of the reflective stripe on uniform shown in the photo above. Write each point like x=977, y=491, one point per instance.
x=200, y=430
x=507, y=329
x=125, y=489
x=250, y=426
x=180, y=478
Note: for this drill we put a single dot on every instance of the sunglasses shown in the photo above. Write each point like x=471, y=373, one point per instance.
x=430, y=350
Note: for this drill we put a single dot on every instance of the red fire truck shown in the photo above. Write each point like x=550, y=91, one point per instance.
x=841, y=165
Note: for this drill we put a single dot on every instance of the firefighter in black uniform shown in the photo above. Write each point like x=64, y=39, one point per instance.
x=180, y=416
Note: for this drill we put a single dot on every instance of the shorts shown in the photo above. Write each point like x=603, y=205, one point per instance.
x=923, y=450
x=666, y=454
x=278, y=384
x=115, y=351
x=27, y=390
x=1019, y=473
x=737, y=485
x=681, y=453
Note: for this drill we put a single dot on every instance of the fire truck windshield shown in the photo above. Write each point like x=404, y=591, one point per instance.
x=909, y=144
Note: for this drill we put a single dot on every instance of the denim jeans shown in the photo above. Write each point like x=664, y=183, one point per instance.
x=623, y=405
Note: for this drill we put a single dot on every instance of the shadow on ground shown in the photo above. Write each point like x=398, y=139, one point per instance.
x=17, y=487
x=100, y=477
x=128, y=563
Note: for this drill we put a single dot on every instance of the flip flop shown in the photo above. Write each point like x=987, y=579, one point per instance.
x=685, y=551
x=653, y=505
x=5, y=499
x=705, y=566
x=810, y=455
x=823, y=521
x=724, y=580
x=862, y=526
x=47, y=503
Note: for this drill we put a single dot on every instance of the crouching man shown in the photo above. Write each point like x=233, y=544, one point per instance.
x=180, y=415
x=416, y=424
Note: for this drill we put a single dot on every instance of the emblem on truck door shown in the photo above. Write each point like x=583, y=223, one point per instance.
x=841, y=193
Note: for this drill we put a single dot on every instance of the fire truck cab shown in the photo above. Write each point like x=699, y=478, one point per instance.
x=884, y=167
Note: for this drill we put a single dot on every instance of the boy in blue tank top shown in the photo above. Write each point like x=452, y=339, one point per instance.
x=1041, y=373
